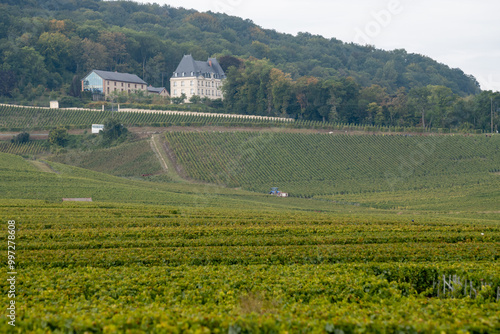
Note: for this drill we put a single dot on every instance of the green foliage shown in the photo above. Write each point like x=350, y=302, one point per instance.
x=195, y=99
x=113, y=130
x=256, y=87
x=179, y=100
x=58, y=136
x=21, y=138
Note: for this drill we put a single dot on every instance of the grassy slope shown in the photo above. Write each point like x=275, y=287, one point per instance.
x=129, y=160
x=22, y=180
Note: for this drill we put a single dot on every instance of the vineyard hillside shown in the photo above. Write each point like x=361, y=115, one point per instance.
x=153, y=257
x=18, y=118
x=307, y=165
x=20, y=179
x=135, y=159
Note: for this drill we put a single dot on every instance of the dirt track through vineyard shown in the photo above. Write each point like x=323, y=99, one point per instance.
x=154, y=146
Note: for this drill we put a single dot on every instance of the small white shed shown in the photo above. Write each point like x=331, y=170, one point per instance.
x=96, y=128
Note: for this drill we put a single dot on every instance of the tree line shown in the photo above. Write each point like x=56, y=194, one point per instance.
x=47, y=46
x=254, y=86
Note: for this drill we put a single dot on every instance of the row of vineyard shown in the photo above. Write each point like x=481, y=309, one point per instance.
x=109, y=267
x=29, y=148
x=129, y=160
x=312, y=164
x=14, y=118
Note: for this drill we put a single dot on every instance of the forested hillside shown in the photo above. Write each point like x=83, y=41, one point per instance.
x=47, y=46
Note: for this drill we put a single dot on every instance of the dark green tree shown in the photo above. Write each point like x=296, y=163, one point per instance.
x=179, y=100
x=113, y=130
x=58, y=137
x=21, y=138
x=419, y=100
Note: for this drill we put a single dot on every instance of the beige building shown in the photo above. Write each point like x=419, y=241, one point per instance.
x=161, y=91
x=201, y=78
x=105, y=83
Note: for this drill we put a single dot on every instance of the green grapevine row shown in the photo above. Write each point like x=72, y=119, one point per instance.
x=106, y=268
x=30, y=148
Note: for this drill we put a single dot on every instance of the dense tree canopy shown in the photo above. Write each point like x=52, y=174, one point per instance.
x=48, y=45
x=256, y=87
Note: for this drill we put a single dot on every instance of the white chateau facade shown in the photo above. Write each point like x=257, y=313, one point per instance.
x=201, y=78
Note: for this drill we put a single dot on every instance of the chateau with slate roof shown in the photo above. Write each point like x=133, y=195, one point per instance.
x=201, y=78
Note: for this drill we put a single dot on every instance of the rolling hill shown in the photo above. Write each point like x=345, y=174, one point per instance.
x=307, y=165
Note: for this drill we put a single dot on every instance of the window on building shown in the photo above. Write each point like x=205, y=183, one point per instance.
x=175, y=83
x=202, y=91
x=182, y=83
x=93, y=83
x=192, y=91
x=135, y=86
x=115, y=83
x=128, y=85
x=129, y=91
x=122, y=86
x=182, y=91
x=192, y=83
x=175, y=91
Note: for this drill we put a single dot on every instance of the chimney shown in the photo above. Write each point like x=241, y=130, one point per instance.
x=210, y=62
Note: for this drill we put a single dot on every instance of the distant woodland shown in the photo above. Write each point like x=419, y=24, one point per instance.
x=47, y=46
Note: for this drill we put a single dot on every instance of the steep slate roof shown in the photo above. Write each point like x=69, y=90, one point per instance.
x=188, y=65
x=115, y=76
x=156, y=90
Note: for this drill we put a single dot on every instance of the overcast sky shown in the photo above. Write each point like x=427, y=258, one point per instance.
x=459, y=33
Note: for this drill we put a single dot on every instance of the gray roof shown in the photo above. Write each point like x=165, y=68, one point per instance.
x=156, y=90
x=123, y=77
x=188, y=67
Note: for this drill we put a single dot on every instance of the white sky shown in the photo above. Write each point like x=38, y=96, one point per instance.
x=459, y=33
